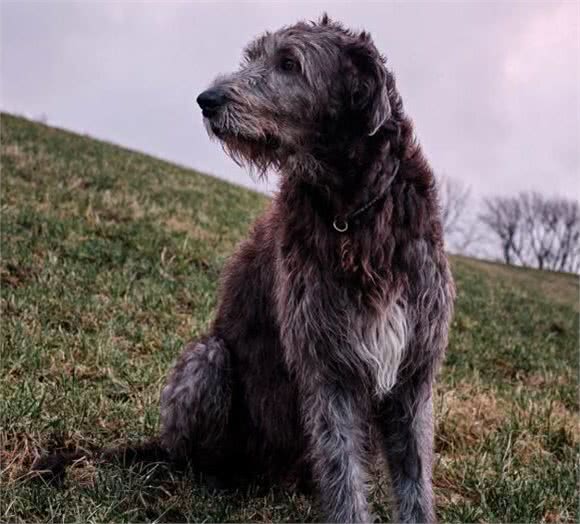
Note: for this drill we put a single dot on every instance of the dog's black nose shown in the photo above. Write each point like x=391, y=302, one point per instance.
x=210, y=101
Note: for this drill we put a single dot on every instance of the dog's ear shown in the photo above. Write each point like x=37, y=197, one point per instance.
x=367, y=82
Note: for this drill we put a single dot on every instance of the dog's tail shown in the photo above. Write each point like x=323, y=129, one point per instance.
x=51, y=468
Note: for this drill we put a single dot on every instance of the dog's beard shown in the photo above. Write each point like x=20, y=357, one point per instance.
x=259, y=155
x=258, y=152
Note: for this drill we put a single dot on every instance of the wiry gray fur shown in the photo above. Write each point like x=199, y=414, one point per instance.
x=321, y=339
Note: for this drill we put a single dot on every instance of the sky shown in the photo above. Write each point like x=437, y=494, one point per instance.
x=492, y=86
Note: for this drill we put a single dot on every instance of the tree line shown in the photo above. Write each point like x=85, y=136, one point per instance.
x=528, y=229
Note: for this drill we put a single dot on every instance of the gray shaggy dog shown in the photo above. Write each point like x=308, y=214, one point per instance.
x=333, y=314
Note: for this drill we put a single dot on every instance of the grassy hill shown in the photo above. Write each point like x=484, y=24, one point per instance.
x=109, y=262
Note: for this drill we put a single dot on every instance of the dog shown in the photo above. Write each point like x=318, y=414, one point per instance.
x=333, y=314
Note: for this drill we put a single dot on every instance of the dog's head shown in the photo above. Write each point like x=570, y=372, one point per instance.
x=297, y=90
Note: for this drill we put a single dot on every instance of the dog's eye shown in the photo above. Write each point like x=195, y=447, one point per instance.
x=289, y=65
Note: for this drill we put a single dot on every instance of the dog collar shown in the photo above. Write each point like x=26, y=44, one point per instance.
x=341, y=223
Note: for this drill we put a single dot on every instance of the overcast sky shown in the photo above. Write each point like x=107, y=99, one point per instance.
x=493, y=87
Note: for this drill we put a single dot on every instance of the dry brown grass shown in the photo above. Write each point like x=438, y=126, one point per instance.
x=468, y=413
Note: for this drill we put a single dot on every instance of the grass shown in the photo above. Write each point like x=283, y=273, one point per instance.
x=109, y=263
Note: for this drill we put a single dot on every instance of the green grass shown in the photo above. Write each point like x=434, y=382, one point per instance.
x=110, y=260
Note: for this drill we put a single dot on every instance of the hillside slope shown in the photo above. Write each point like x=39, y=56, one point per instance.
x=109, y=264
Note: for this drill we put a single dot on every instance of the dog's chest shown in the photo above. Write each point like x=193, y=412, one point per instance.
x=379, y=342
x=324, y=328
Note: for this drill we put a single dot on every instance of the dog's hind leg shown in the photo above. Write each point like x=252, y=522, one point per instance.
x=195, y=407
x=196, y=403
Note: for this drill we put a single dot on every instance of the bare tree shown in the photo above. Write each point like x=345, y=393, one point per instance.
x=453, y=195
x=569, y=236
x=503, y=217
x=553, y=231
x=460, y=229
x=534, y=230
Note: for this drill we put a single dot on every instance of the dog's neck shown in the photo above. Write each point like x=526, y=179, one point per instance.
x=340, y=182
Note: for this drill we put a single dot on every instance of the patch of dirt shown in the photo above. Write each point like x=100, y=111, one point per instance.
x=14, y=276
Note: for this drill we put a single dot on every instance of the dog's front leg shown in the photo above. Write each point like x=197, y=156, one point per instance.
x=406, y=424
x=335, y=426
